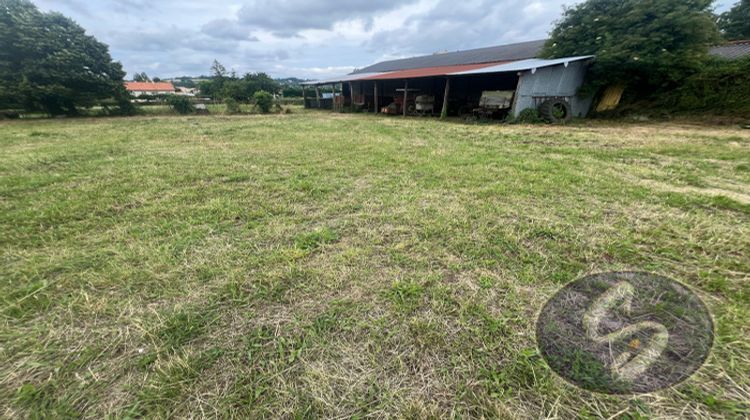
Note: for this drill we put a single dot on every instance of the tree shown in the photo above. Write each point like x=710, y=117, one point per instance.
x=141, y=77
x=156, y=80
x=185, y=81
x=735, y=23
x=218, y=70
x=47, y=62
x=645, y=44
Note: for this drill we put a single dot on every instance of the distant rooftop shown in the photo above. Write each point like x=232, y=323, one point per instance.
x=149, y=86
x=510, y=52
x=732, y=50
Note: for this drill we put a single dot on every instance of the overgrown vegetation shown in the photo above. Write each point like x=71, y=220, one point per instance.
x=721, y=87
x=344, y=265
x=645, y=45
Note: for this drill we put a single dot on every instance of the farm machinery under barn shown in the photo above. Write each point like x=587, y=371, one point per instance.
x=494, y=104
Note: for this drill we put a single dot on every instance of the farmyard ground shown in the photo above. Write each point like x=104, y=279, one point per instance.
x=321, y=265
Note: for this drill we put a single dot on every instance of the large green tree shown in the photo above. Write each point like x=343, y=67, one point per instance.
x=47, y=62
x=735, y=23
x=645, y=44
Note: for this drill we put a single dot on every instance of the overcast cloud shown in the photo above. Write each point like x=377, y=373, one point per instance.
x=300, y=38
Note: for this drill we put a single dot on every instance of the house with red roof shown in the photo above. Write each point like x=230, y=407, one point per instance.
x=138, y=89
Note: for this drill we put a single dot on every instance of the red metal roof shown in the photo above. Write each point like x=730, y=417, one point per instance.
x=429, y=71
x=149, y=87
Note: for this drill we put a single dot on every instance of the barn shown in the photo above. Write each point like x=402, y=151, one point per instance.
x=492, y=81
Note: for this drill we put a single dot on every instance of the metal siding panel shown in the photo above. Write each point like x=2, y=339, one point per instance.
x=524, y=65
x=557, y=81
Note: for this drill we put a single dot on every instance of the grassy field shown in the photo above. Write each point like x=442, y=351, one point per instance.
x=321, y=265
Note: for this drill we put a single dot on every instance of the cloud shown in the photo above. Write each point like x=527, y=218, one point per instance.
x=228, y=29
x=451, y=26
x=303, y=38
x=285, y=18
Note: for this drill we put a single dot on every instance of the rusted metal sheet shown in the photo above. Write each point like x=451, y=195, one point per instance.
x=428, y=71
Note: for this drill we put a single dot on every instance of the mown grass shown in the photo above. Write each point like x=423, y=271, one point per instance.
x=321, y=265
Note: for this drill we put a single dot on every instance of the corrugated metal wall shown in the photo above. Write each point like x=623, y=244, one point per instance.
x=558, y=81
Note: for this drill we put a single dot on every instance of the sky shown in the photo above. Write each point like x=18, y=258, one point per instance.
x=308, y=39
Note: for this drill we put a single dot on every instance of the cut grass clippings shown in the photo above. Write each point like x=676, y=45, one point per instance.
x=324, y=265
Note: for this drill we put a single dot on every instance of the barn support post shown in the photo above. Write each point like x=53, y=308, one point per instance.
x=444, y=112
x=333, y=97
x=351, y=95
x=377, y=105
x=341, y=88
x=304, y=98
x=317, y=95
x=406, y=93
x=335, y=90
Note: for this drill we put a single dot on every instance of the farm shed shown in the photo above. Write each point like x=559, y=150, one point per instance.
x=508, y=75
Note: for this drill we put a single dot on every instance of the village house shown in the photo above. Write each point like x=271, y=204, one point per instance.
x=139, y=89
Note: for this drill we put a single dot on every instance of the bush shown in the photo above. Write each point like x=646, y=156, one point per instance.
x=11, y=115
x=527, y=116
x=233, y=107
x=125, y=107
x=263, y=100
x=181, y=104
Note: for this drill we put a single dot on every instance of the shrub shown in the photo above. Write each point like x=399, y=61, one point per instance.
x=233, y=107
x=527, y=116
x=263, y=100
x=181, y=104
x=125, y=107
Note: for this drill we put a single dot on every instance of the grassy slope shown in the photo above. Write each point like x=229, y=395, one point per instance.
x=321, y=265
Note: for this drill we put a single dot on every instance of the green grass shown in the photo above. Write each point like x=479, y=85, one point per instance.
x=322, y=265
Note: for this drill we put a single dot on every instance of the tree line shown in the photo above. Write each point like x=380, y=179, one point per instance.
x=227, y=85
x=48, y=63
